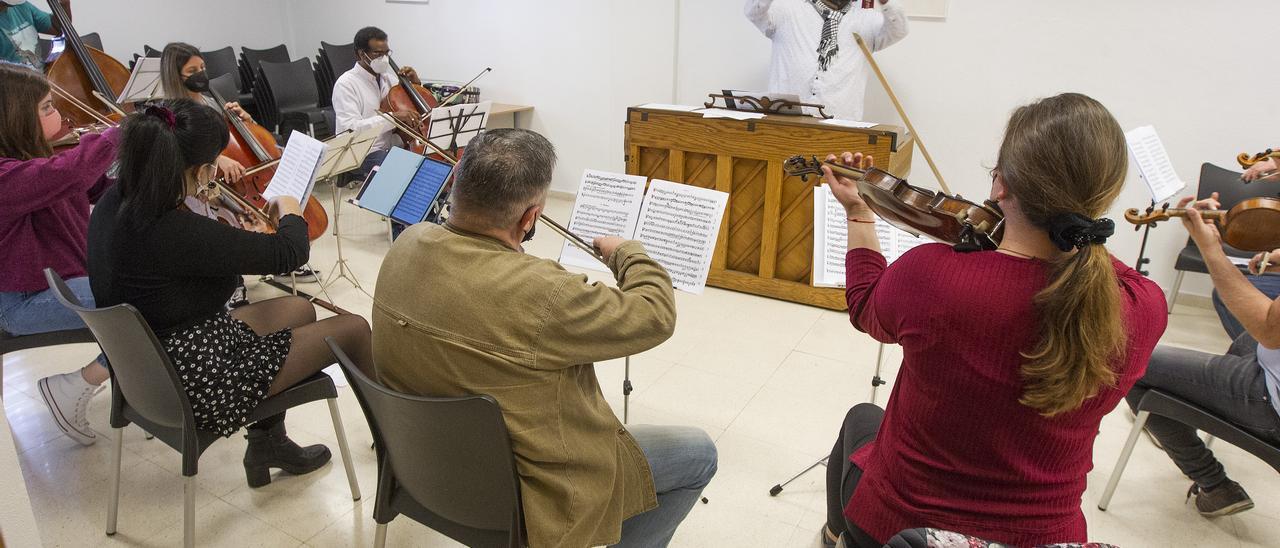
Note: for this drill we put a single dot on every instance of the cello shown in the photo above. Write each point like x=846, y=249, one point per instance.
x=254, y=147
x=411, y=97
x=83, y=71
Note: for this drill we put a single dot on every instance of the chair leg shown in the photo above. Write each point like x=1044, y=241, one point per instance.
x=380, y=536
x=342, y=447
x=113, y=504
x=1177, y=286
x=189, y=511
x=1124, y=459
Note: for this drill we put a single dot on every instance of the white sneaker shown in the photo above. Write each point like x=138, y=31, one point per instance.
x=67, y=396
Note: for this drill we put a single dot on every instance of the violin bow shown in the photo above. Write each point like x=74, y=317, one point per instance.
x=445, y=102
x=75, y=101
x=901, y=112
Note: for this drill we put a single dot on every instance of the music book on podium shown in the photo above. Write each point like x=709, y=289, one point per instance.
x=296, y=174
x=678, y=224
x=831, y=239
x=405, y=186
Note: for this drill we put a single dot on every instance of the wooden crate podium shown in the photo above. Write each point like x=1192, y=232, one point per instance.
x=766, y=239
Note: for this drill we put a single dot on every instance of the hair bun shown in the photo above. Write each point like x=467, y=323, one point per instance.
x=164, y=114
x=1073, y=230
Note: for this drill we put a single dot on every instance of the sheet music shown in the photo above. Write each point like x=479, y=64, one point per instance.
x=144, y=82
x=608, y=204
x=665, y=106
x=848, y=123
x=346, y=151
x=831, y=239
x=679, y=225
x=1153, y=163
x=726, y=113
x=295, y=176
x=422, y=192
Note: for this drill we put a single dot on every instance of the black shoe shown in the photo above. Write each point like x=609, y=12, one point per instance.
x=302, y=274
x=1224, y=500
x=271, y=448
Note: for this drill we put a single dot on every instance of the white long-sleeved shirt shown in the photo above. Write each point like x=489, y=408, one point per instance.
x=796, y=29
x=356, y=96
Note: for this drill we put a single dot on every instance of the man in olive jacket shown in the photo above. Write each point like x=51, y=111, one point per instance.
x=461, y=309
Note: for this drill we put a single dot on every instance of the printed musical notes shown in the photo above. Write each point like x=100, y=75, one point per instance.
x=296, y=174
x=831, y=239
x=679, y=226
x=1153, y=163
x=608, y=205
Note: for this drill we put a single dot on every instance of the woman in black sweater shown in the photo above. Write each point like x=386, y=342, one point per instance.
x=178, y=269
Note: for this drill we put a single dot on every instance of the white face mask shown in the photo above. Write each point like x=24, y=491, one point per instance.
x=380, y=65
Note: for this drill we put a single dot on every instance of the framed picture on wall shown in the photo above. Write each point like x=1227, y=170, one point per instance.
x=926, y=9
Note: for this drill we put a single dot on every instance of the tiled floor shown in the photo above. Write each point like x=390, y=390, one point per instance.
x=769, y=380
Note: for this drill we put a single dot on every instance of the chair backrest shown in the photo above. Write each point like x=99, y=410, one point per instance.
x=341, y=57
x=148, y=51
x=223, y=61
x=1231, y=190
x=278, y=54
x=140, y=367
x=93, y=40
x=292, y=85
x=225, y=86
x=452, y=455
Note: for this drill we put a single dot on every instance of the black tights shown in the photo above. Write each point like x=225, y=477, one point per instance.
x=860, y=427
x=308, y=353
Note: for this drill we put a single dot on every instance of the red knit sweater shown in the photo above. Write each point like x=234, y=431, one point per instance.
x=956, y=450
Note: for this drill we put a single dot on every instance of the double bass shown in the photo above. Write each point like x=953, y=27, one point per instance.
x=254, y=147
x=83, y=71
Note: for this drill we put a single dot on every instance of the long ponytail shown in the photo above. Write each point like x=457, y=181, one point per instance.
x=158, y=146
x=1065, y=157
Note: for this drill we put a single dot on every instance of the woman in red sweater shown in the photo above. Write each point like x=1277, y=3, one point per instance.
x=44, y=216
x=1010, y=357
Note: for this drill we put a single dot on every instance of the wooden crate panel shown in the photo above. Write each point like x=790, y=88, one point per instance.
x=795, y=232
x=746, y=215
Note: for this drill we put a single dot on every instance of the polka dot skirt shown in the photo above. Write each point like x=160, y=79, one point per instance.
x=226, y=369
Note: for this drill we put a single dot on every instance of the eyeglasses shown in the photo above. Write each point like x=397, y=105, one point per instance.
x=378, y=54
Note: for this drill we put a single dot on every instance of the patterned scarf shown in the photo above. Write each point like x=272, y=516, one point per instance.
x=827, y=48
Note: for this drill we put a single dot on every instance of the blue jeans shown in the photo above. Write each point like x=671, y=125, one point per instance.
x=683, y=461
x=31, y=312
x=1268, y=284
x=1230, y=386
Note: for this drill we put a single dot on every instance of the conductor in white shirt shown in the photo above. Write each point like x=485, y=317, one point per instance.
x=359, y=92
x=814, y=53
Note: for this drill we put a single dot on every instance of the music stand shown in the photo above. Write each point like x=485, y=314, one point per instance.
x=144, y=82
x=452, y=127
x=346, y=152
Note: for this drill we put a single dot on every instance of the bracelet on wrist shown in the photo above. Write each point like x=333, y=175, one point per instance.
x=855, y=220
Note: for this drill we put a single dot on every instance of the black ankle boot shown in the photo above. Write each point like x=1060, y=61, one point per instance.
x=271, y=448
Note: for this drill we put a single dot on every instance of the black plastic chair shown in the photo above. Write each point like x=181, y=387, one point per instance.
x=1231, y=191
x=13, y=343
x=249, y=59
x=443, y=462
x=145, y=390
x=148, y=51
x=1155, y=401
x=223, y=61
x=292, y=89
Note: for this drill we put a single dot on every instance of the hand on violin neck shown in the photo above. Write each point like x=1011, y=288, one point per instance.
x=846, y=189
x=1203, y=231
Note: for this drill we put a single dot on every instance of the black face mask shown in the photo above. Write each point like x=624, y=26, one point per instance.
x=529, y=235
x=197, y=82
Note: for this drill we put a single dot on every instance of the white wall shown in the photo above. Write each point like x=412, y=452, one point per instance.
x=1191, y=70
x=125, y=25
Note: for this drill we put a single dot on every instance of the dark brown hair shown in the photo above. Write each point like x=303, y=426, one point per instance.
x=21, y=136
x=1066, y=155
x=174, y=57
x=158, y=144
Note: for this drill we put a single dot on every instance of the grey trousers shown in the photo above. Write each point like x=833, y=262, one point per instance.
x=1230, y=386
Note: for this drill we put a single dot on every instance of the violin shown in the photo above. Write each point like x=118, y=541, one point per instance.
x=253, y=146
x=1251, y=225
x=1246, y=161
x=83, y=72
x=942, y=217
x=408, y=96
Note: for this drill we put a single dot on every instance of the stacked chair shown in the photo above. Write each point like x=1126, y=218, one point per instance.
x=332, y=60
x=290, y=98
x=223, y=62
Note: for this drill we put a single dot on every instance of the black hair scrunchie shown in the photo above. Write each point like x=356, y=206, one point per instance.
x=1073, y=230
x=163, y=113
